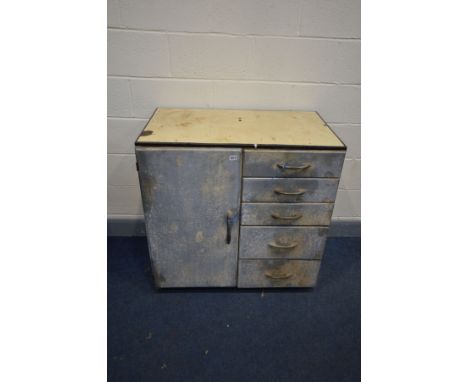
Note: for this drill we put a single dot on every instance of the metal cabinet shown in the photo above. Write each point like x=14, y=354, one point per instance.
x=237, y=198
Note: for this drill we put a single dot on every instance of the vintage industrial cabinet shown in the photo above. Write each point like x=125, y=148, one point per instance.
x=237, y=198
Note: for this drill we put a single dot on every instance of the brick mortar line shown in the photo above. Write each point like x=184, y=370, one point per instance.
x=130, y=90
x=123, y=185
x=127, y=77
x=130, y=118
x=223, y=34
x=354, y=124
x=125, y=215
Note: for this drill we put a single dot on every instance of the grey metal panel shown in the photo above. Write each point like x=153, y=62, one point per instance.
x=277, y=273
x=187, y=193
x=289, y=189
x=282, y=242
x=286, y=213
x=316, y=164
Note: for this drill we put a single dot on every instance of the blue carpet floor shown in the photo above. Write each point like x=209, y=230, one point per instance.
x=229, y=334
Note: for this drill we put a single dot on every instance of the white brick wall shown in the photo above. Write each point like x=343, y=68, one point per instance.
x=265, y=54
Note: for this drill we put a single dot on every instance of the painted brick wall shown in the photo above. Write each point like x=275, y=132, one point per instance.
x=264, y=54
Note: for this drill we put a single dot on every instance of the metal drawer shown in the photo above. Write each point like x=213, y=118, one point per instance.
x=277, y=273
x=289, y=190
x=282, y=242
x=292, y=163
x=286, y=213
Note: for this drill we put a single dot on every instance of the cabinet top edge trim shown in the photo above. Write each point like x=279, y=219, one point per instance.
x=246, y=147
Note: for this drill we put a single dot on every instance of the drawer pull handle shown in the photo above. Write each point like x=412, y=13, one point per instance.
x=278, y=276
x=285, y=166
x=298, y=192
x=283, y=246
x=292, y=217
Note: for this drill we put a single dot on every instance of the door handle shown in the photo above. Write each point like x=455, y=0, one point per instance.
x=285, y=166
x=283, y=246
x=278, y=276
x=291, y=217
x=229, y=223
x=297, y=193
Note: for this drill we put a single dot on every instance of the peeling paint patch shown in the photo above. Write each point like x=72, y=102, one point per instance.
x=173, y=228
x=199, y=237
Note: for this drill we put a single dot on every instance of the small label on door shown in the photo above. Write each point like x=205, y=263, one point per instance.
x=233, y=157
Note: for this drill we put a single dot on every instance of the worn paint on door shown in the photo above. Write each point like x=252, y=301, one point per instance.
x=191, y=199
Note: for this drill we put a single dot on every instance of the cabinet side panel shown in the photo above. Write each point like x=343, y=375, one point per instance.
x=187, y=194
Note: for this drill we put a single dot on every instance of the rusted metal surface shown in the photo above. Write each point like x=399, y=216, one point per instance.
x=282, y=242
x=292, y=163
x=188, y=195
x=289, y=190
x=277, y=273
x=286, y=213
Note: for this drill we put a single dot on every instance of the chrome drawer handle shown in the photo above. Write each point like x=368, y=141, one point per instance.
x=278, y=276
x=285, y=166
x=283, y=246
x=298, y=192
x=292, y=217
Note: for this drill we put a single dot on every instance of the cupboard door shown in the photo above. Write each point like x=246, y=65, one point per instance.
x=191, y=201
